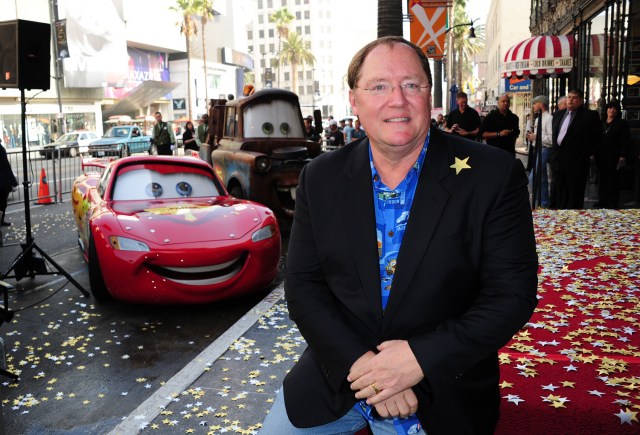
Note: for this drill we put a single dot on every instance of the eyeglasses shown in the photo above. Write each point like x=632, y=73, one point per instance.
x=381, y=89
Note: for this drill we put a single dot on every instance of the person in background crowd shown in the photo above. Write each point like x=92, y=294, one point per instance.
x=541, y=104
x=348, y=131
x=327, y=130
x=576, y=131
x=358, y=131
x=528, y=128
x=403, y=276
x=336, y=138
x=561, y=104
x=8, y=182
x=203, y=129
x=463, y=121
x=611, y=156
x=163, y=136
x=309, y=131
x=189, y=137
x=501, y=127
x=440, y=121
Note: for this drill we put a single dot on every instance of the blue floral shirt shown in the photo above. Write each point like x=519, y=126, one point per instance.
x=392, y=208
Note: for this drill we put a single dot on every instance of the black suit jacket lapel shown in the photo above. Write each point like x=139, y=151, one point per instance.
x=556, y=123
x=359, y=218
x=429, y=202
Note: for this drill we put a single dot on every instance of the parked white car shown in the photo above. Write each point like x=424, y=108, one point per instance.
x=70, y=144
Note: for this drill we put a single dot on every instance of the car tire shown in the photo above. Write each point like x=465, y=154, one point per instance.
x=153, y=150
x=73, y=152
x=96, y=281
x=237, y=192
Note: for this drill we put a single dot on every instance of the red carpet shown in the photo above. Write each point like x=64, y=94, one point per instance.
x=575, y=367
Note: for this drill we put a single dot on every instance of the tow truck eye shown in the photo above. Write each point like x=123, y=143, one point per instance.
x=267, y=128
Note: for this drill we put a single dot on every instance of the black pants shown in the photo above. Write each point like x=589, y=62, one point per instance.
x=164, y=150
x=4, y=197
x=570, y=186
x=609, y=182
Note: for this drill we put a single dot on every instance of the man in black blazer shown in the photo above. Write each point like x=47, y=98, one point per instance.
x=462, y=282
x=576, y=131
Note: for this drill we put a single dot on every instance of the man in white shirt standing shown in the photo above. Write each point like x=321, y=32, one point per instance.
x=541, y=103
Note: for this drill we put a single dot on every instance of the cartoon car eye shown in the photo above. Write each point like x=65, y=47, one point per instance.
x=267, y=128
x=183, y=188
x=154, y=189
x=285, y=128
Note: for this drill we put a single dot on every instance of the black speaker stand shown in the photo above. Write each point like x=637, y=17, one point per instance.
x=26, y=263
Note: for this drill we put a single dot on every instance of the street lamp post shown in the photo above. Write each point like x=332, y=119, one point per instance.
x=451, y=65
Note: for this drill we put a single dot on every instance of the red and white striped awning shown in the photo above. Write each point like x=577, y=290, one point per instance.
x=596, y=51
x=539, y=56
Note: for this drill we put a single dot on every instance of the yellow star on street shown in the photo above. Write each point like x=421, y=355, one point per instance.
x=459, y=165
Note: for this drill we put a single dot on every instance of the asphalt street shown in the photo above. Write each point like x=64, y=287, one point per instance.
x=86, y=367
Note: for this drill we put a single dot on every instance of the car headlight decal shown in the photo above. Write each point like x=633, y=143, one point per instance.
x=263, y=163
x=126, y=244
x=264, y=233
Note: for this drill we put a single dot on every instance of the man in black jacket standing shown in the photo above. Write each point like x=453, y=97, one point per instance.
x=163, y=136
x=501, y=127
x=576, y=131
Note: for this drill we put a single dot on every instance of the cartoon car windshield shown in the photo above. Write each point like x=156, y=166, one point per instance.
x=145, y=184
x=272, y=120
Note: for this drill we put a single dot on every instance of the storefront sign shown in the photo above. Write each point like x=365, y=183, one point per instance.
x=517, y=85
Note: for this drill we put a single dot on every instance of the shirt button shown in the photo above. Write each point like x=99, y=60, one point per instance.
x=390, y=233
x=376, y=178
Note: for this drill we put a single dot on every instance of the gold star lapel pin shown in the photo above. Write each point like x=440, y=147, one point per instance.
x=459, y=165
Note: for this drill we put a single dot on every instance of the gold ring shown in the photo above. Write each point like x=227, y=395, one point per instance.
x=374, y=388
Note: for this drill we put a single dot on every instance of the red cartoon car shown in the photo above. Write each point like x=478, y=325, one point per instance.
x=159, y=229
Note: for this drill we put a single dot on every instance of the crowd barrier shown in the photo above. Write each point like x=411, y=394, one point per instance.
x=60, y=172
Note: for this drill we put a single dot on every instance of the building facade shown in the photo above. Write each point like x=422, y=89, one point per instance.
x=606, y=51
x=322, y=24
x=113, y=58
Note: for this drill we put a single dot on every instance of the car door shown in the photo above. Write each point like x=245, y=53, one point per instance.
x=84, y=140
x=137, y=144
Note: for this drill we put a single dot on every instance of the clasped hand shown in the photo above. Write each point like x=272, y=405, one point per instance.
x=385, y=379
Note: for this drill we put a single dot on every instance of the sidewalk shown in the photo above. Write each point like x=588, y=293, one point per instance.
x=231, y=385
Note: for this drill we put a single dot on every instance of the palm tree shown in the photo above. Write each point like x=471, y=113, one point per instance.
x=296, y=51
x=205, y=10
x=188, y=8
x=389, y=18
x=282, y=18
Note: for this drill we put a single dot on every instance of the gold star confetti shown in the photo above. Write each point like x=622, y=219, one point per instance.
x=459, y=165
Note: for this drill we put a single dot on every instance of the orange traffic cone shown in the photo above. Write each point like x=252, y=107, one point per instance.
x=44, y=196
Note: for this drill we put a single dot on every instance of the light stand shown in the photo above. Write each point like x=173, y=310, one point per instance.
x=26, y=263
